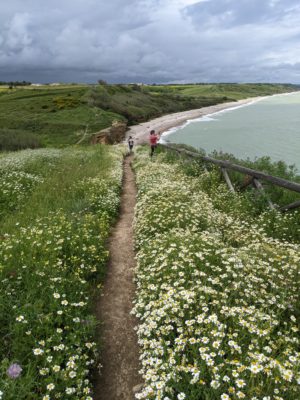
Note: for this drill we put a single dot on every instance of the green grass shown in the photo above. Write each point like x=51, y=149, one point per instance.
x=228, y=90
x=58, y=116
x=58, y=169
x=52, y=257
x=11, y=140
x=217, y=288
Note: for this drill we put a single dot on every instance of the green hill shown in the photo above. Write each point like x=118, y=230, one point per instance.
x=55, y=116
x=231, y=91
x=60, y=115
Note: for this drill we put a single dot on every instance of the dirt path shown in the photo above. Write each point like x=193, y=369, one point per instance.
x=83, y=136
x=119, y=355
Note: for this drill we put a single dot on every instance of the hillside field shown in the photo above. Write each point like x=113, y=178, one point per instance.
x=56, y=209
x=39, y=116
x=217, y=277
x=231, y=91
x=217, y=287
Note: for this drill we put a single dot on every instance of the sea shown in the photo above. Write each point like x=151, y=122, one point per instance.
x=268, y=126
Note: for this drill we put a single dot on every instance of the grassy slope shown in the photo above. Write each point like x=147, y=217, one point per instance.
x=228, y=90
x=141, y=103
x=217, y=294
x=53, y=230
x=59, y=115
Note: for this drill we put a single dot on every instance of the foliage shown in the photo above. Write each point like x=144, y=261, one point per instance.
x=218, y=296
x=65, y=102
x=52, y=254
x=280, y=169
x=231, y=91
x=138, y=104
x=252, y=204
x=15, y=83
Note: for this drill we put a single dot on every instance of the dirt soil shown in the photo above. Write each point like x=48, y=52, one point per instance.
x=120, y=353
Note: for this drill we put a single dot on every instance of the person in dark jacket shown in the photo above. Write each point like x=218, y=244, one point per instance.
x=130, y=144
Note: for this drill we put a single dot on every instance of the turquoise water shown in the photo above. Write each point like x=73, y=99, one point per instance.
x=268, y=127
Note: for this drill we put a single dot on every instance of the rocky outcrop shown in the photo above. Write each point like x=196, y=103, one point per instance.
x=111, y=135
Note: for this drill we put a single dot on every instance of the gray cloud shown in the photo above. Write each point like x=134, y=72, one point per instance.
x=230, y=13
x=150, y=40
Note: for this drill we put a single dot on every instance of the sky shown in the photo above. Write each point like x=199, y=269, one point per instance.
x=149, y=41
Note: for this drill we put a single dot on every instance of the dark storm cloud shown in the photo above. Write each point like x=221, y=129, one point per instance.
x=150, y=40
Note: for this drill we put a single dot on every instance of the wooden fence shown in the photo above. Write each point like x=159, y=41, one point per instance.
x=254, y=176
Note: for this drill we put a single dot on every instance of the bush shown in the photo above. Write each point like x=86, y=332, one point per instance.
x=66, y=102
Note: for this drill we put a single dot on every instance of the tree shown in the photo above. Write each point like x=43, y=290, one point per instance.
x=102, y=82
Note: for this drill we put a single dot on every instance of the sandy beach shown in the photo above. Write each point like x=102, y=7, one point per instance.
x=140, y=132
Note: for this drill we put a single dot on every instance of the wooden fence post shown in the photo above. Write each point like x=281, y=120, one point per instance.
x=291, y=206
x=227, y=179
x=253, y=177
x=259, y=187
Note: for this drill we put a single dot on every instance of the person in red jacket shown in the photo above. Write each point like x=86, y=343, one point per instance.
x=153, y=139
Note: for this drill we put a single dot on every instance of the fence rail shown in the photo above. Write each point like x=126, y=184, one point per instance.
x=255, y=176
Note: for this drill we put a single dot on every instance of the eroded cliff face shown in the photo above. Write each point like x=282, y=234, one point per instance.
x=113, y=134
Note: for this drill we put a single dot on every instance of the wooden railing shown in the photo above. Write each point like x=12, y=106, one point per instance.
x=254, y=176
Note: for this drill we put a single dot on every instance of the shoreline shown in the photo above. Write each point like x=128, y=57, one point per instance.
x=140, y=132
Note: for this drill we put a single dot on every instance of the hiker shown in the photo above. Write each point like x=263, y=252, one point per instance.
x=130, y=144
x=153, y=139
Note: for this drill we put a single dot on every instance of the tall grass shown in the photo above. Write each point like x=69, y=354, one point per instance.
x=12, y=140
x=52, y=256
x=59, y=189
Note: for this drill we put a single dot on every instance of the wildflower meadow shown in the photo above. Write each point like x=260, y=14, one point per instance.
x=56, y=210
x=217, y=289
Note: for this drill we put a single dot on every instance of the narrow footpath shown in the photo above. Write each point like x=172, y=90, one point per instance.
x=119, y=354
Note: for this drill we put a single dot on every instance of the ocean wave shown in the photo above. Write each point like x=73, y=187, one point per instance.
x=214, y=115
x=204, y=118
